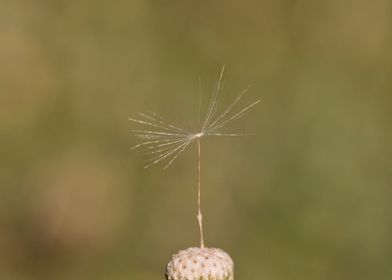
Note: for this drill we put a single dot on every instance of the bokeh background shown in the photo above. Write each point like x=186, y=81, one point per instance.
x=308, y=197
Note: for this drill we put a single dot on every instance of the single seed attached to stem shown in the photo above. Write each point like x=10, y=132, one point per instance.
x=165, y=140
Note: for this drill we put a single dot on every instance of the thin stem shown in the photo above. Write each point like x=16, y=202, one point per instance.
x=199, y=215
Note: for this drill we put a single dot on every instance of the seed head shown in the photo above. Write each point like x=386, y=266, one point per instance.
x=200, y=264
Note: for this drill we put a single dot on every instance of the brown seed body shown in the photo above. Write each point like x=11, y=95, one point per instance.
x=200, y=264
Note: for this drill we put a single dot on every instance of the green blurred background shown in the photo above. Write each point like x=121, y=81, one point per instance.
x=308, y=197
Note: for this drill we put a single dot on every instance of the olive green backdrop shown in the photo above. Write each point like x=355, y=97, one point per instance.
x=307, y=197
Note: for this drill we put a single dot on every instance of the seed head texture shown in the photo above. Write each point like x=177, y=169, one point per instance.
x=200, y=264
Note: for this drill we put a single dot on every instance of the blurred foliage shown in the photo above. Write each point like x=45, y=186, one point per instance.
x=307, y=198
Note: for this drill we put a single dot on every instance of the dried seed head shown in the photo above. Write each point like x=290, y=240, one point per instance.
x=200, y=264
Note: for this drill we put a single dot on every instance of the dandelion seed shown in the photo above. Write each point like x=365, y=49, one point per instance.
x=166, y=141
